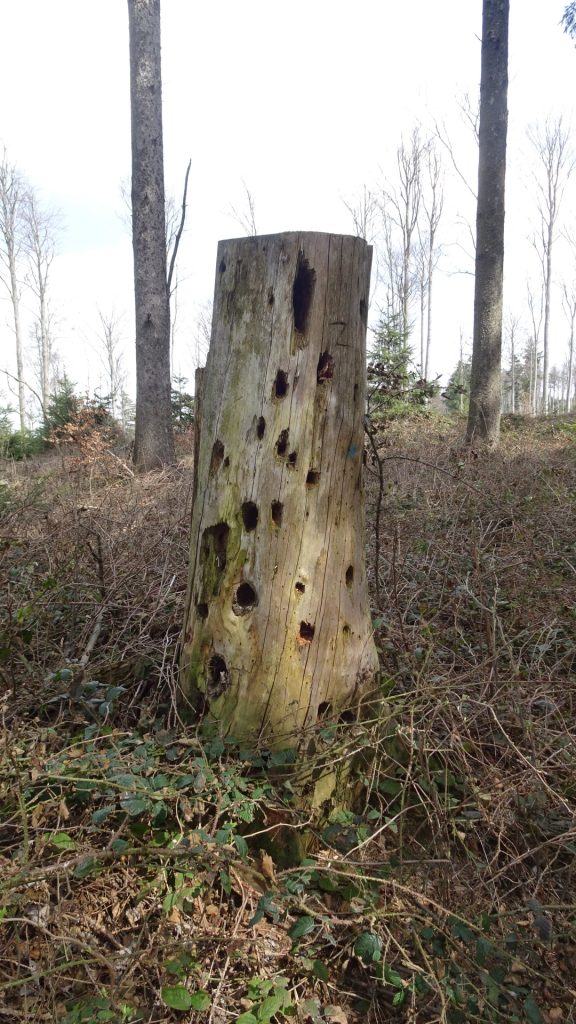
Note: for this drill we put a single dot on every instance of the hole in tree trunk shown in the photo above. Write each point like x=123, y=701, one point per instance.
x=260, y=428
x=346, y=631
x=312, y=477
x=363, y=311
x=325, y=369
x=249, y=516
x=245, y=599
x=216, y=457
x=306, y=631
x=349, y=576
x=277, y=509
x=292, y=460
x=282, y=443
x=299, y=587
x=302, y=293
x=222, y=266
x=213, y=556
x=270, y=296
x=226, y=462
x=218, y=680
x=202, y=610
x=347, y=717
x=324, y=709
x=281, y=384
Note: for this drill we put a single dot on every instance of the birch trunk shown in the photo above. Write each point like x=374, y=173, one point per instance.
x=277, y=628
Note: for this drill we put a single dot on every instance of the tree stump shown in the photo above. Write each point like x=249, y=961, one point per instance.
x=277, y=630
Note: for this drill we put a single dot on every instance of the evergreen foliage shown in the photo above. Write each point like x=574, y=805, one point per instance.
x=394, y=386
x=182, y=405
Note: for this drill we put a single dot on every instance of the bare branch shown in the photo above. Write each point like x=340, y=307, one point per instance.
x=179, y=231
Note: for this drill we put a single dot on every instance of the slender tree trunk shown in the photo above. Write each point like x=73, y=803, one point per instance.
x=45, y=347
x=570, y=370
x=513, y=375
x=423, y=352
x=546, y=336
x=15, y=297
x=153, y=444
x=429, y=324
x=277, y=627
x=485, y=385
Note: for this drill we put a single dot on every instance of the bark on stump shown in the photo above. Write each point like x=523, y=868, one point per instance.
x=277, y=630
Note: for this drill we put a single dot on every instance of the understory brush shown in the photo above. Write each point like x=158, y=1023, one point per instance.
x=139, y=876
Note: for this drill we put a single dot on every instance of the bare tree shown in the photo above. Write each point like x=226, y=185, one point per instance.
x=41, y=228
x=363, y=210
x=536, y=316
x=246, y=215
x=432, y=202
x=512, y=330
x=111, y=358
x=555, y=164
x=154, y=442
x=13, y=202
x=485, y=383
x=401, y=204
x=569, y=307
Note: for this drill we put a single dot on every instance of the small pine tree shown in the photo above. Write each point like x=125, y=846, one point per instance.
x=61, y=408
x=182, y=405
x=457, y=391
x=393, y=387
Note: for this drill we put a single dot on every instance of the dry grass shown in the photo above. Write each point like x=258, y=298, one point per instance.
x=446, y=896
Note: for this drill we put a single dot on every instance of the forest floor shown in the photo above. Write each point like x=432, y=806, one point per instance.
x=137, y=880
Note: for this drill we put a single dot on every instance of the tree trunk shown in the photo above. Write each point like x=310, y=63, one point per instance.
x=153, y=443
x=546, y=338
x=277, y=628
x=15, y=297
x=485, y=384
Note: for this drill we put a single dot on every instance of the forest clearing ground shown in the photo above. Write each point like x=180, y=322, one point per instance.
x=134, y=876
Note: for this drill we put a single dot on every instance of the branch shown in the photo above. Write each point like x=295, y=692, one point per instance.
x=180, y=230
x=30, y=388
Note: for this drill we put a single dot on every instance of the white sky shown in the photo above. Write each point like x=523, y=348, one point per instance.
x=305, y=101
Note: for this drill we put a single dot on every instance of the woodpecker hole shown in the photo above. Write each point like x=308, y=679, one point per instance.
x=306, y=631
x=346, y=631
x=216, y=457
x=277, y=510
x=218, y=680
x=270, y=297
x=299, y=587
x=202, y=610
x=348, y=717
x=312, y=477
x=292, y=460
x=363, y=311
x=325, y=369
x=282, y=443
x=245, y=599
x=213, y=553
x=349, y=576
x=281, y=384
x=260, y=428
x=324, y=709
x=302, y=294
x=222, y=266
x=249, y=516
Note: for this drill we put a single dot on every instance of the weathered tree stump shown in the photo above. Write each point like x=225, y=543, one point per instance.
x=277, y=629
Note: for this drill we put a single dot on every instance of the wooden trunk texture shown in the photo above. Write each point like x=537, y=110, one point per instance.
x=277, y=630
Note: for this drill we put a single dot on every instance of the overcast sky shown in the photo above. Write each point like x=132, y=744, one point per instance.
x=304, y=101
